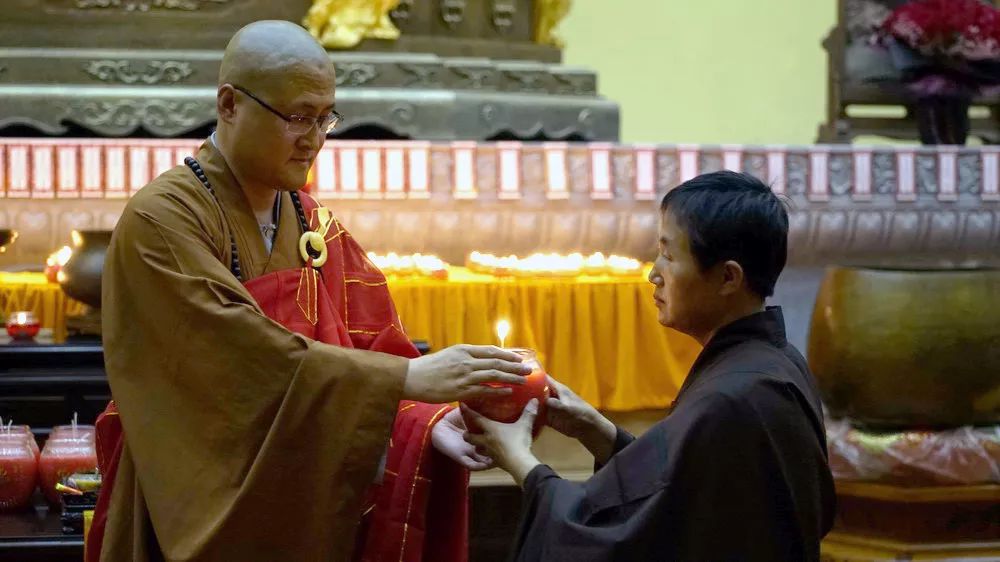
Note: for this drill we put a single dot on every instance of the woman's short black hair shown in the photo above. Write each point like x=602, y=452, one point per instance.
x=733, y=216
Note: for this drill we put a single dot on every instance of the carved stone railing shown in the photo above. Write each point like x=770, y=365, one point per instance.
x=861, y=205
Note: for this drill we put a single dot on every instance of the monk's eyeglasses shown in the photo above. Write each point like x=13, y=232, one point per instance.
x=299, y=124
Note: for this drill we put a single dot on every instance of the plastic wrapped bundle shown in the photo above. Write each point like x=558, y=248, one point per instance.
x=963, y=456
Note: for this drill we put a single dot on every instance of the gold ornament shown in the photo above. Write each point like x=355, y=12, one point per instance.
x=314, y=240
x=548, y=14
x=342, y=24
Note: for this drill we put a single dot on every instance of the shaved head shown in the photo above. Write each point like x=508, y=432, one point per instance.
x=273, y=71
x=271, y=50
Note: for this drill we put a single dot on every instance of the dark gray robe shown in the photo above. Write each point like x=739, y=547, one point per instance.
x=737, y=471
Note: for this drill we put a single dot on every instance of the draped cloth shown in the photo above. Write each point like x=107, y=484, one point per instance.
x=247, y=422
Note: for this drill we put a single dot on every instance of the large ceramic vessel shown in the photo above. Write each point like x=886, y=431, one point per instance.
x=80, y=278
x=909, y=348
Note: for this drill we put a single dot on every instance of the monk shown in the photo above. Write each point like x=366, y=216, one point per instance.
x=738, y=469
x=267, y=402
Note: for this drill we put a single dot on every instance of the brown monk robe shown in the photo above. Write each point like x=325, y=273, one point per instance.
x=244, y=441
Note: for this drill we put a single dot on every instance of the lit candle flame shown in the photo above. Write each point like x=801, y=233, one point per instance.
x=59, y=258
x=22, y=318
x=503, y=330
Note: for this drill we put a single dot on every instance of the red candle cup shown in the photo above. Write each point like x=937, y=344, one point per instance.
x=508, y=409
x=78, y=431
x=18, y=472
x=29, y=437
x=52, y=273
x=23, y=325
x=61, y=457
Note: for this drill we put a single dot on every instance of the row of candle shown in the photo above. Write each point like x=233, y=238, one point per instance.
x=414, y=264
x=69, y=449
x=535, y=265
x=543, y=265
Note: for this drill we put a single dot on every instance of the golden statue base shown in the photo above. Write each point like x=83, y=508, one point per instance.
x=877, y=522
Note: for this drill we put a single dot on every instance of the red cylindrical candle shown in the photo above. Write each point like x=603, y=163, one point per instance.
x=23, y=325
x=18, y=472
x=61, y=457
x=508, y=409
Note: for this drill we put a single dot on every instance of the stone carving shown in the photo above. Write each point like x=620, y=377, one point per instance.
x=548, y=14
x=796, y=174
x=943, y=230
x=488, y=112
x=979, y=230
x=403, y=113
x=442, y=165
x=926, y=174
x=424, y=75
x=109, y=219
x=475, y=77
x=355, y=74
x=884, y=231
x=709, y=162
x=579, y=171
x=533, y=171
x=575, y=84
x=832, y=230
x=884, y=176
x=125, y=116
x=401, y=13
x=756, y=164
x=503, y=15
x=867, y=231
x=342, y=24
x=667, y=172
x=156, y=72
x=526, y=80
x=586, y=120
x=841, y=174
x=622, y=173
x=905, y=231
x=799, y=223
x=146, y=5
x=970, y=172
x=486, y=171
x=604, y=225
x=452, y=12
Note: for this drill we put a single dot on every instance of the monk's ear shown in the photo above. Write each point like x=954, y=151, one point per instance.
x=732, y=278
x=226, y=103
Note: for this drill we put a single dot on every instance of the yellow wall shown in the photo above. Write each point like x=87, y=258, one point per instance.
x=707, y=71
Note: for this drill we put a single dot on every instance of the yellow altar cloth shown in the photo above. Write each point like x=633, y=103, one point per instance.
x=598, y=335
x=31, y=291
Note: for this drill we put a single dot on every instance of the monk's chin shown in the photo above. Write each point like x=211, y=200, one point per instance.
x=291, y=183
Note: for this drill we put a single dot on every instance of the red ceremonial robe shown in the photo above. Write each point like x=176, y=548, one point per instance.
x=419, y=510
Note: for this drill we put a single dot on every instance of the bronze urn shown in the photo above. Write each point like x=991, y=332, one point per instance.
x=7, y=238
x=80, y=278
x=908, y=348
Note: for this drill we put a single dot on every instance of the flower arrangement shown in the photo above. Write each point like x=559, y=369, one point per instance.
x=947, y=52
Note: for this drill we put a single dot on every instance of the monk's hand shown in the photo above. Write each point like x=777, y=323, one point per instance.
x=574, y=417
x=448, y=438
x=508, y=444
x=461, y=372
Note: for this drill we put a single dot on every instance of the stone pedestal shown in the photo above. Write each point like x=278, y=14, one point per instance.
x=459, y=70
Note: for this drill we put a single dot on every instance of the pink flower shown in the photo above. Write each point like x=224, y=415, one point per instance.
x=968, y=29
